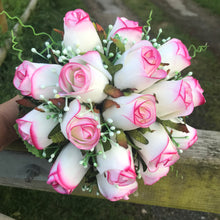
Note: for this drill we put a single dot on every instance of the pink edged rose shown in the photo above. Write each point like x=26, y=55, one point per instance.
x=67, y=172
x=34, y=128
x=79, y=32
x=86, y=77
x=127, y=30
x=132, y=111
x=152, y=177
x=140, y=67
x=37, y=79
x=174, y=98
x=117, y=177
x=197, y=91
x=174, y=53
x=160, y=151
x=183, y=139
x=80, y=126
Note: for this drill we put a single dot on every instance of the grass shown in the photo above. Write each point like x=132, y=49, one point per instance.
x=49, y=15
x=36, y=205
x=213, y=5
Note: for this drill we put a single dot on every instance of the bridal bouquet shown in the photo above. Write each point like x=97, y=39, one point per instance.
x=107, y=107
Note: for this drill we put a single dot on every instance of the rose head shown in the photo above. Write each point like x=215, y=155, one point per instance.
x=117, y=177
x=80, y=127
x=174, y=98
x=135, y=111
x=67, y=172
x=183, y=139
x=37, y=79
x=84, y=76
x=35, y=128
x=77, y=29
x=126, y=29
x=140, y=67
x=152, y=177
x=160, y=151
x=197, y=91
x=174, y=53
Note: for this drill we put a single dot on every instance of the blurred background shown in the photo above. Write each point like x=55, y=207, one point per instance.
x=192, y=21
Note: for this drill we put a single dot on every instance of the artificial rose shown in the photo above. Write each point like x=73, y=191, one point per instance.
x=128, y=30
x=79, y=32
x=152, y=177
x=34, y=127
x=198, y=98
x=117, y=177
x=174, y=98
x=132, y=111
x=183, y=139
x=37, y=79
x=160, y=151
x=175, y=54
x=86, y=77
x=114, y=193
x=67, y=172
x=140, y=67
x=80, y=126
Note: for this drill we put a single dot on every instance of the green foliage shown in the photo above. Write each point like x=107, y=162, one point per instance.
x=56, y=135
x=173, y=125
x=138, y=136
x=121, y=139
x=30, y=148
x=213, y=6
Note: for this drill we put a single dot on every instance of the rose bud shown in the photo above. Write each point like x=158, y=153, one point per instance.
x=128, y=30
x=197, y=91
x=80, y=126
x=175, y=54
x=67, y=172
x=34, y=127
x=37, y=80
x=117, y=177
x=160, y=151
x=79, y=32
x=132, y=111
x=152, y=177
x=174, y=98
x=86, y=77
x=140, y=67
x=183, y=139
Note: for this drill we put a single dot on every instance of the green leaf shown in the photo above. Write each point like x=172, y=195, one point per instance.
x=56, y=135
x=122, y=139
x=114, y=68
x=105, y=59
x=107, y=145
x=144, y=130
x=112, y=91
x=138, y=136
x=101, y=32
x=119, y=44
x=32, y=149
x=176, y=126
x=133, y=145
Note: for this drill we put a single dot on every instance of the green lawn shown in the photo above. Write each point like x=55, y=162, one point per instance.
x=213, y=5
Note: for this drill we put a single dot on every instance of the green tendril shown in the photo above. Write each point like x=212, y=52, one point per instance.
x=199, y=49
x=148, y=22
x=14, y=44
x=24, y=26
